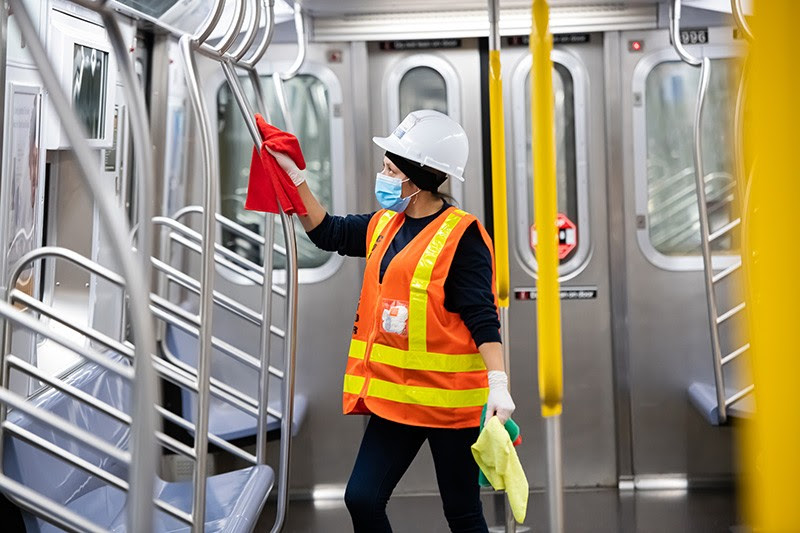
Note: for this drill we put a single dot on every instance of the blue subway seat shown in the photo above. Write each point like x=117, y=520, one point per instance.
x=234, y=499
x=225, y=420
x=704, y=398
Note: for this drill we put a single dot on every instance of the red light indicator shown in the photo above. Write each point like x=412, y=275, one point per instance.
x=635, y=46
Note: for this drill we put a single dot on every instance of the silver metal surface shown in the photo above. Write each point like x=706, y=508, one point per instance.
x=615, y=188
x=289, y=355
x=741, y=21
x=675, y=35
x=142, y=474
x=444, y=23
x=494, y=24
x=302, y=45
x=142, y=480
x=211, y=23
x=258, y=53
x=210, y=183
x=711, y=299
x=250, y=36
x=236, y=26
x=555, y=480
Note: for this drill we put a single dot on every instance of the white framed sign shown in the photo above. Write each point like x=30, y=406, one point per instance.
x=22, y=188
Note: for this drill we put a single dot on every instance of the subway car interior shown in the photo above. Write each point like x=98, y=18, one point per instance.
x=173, y=361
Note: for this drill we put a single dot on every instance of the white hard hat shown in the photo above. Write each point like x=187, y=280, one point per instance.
x=431, y=139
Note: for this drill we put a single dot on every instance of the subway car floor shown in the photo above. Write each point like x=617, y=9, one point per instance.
x=596, y=511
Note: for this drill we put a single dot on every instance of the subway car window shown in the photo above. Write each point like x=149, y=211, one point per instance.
x=422, y=88
x=673, y=218
x=310, y=110
x=566, y=168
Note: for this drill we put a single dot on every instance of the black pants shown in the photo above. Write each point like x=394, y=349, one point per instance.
x=387, y=450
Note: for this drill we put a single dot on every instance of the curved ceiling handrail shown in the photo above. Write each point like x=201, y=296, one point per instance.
x=741, y=22
x=269, y=30
x=675, y=34
x=250, y=36
x=233, y=32
x=219, y=8
x=302, y=43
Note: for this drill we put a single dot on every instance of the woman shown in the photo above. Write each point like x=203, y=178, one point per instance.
x=426, y=343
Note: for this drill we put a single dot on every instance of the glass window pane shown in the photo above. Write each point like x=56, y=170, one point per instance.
x=309, y=106
x=673, y=219
x=566, y=172
x=89, y=71
x=422, y=88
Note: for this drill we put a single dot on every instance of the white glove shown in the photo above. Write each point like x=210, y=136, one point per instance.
x=288, y=165
x=499, y=403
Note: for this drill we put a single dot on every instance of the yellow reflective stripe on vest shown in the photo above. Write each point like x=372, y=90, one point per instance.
x=415, y=360
x=385, y=218
x=358, y=349
x=418, y=299
x=353, y=384
x=426, y=395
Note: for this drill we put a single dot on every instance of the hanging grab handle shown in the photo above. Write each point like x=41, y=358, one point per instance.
x=675, y=35
x=302, y=43
x=250, y=36
x=741, y=21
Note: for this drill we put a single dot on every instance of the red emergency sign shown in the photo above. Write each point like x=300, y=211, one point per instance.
x=567, y=236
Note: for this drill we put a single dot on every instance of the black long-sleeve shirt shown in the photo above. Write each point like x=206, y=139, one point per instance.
x=468, y=287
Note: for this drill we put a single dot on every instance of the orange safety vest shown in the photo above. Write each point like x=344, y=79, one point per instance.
x=411, y=360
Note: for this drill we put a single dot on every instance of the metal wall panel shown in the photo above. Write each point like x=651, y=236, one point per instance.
x=668, y=325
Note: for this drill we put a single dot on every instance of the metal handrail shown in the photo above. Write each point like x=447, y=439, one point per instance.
x=230, y=225
x=675, y=35
x=233, y=32
x=302, y=43
x=250, y=36
x=211, y=23
x=211, y=168
x=269, y=30
x=705, y=245
x=741, y=22
x=141, y=510
x=291, y=312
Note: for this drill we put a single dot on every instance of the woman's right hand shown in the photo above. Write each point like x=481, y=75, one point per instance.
x=289, y=166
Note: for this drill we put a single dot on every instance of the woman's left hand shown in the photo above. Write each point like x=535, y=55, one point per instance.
x=499, y=403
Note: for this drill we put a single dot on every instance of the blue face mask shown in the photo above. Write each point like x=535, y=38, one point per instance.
x=389, y=193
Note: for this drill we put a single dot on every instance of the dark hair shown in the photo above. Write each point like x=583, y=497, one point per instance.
x=426, y=178
x=443, y=196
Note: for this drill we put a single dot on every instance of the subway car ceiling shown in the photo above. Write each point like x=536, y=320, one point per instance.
x=365, y=20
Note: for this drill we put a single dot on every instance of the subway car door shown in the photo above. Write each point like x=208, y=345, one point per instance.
x=669, y=336
x=588, y=417
x=439, y=74
x=444, y=75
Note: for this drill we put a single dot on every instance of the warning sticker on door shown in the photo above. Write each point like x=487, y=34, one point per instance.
x=394, y=318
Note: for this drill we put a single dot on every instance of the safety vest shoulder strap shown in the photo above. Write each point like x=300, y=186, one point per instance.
x=418, y=297
x=383, y=217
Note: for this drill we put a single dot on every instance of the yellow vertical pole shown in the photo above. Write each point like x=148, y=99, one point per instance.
x=548, y=306
x=772, y=447
x=499, y=197
x=548, y=303
x=499, y=190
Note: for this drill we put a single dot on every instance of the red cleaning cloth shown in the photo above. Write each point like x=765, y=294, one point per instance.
x=269, y=186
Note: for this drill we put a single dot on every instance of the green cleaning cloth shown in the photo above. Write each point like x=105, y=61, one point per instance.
x=513, y=433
